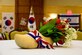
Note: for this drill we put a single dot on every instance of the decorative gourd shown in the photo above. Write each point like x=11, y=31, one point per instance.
x=26, y=41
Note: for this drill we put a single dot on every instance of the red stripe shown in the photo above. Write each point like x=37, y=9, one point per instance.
x=45, y=42
x=48, y=44
x=38, y=39
x=35, y=32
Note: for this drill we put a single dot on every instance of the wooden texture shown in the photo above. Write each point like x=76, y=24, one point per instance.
x=22, y=10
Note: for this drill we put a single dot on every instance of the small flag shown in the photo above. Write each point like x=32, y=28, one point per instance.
x=31, y=21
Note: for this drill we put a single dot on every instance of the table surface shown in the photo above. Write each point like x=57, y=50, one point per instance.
x=9, y=47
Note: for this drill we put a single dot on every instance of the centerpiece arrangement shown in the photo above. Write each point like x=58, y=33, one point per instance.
x=59, y=31
x=53, y=31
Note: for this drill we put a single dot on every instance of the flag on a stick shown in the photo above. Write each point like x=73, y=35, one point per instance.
x=31, y=21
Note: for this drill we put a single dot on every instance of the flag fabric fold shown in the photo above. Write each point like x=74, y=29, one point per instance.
x=41, y=42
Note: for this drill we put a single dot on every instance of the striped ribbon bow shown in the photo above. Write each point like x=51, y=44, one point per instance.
x=41, y=43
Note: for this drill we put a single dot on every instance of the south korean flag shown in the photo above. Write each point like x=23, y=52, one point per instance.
x=8, y=21
x=31, y=21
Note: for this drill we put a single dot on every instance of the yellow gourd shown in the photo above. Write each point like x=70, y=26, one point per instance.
x=26, y=41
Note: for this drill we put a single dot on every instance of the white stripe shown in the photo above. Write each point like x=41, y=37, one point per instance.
x=32, y=33
x=44, y=44
x=49, y=46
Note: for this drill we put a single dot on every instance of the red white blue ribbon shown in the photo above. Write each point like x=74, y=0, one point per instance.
x=41, y=43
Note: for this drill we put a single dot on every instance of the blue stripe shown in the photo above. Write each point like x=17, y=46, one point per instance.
x=41, y=44
x=31, y=35
x=74, y=23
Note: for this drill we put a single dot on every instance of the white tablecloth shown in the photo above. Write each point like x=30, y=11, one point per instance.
x=9, y=47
